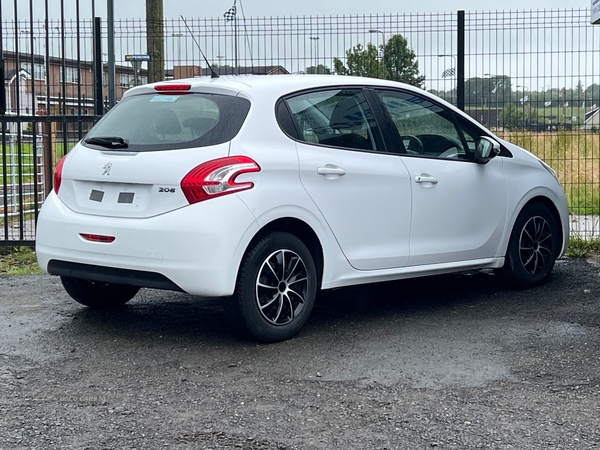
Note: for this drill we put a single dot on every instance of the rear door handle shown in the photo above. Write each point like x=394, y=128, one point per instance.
x=330, y=169
x=426, y=178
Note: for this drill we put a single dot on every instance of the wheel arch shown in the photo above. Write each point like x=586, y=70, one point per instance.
x=547, y=202
x=302, y=231
x=553, y=209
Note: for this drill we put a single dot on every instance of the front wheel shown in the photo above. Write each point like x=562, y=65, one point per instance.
x=276, y=288
x=533, y=247
x=97, y=294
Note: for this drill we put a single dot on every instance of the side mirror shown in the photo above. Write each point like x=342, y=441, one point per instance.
x=486, y=148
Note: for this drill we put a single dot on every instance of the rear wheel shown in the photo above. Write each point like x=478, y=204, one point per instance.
x=533, y=247
x=97, y=294
x=276, y=288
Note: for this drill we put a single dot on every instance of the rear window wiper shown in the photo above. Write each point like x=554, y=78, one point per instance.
x=107, y=142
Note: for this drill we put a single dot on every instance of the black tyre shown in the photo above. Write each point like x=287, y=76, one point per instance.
x=98, y=295
x=533, y=247
x=276, y=288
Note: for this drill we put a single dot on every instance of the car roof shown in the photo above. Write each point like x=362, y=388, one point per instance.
x=275, y=84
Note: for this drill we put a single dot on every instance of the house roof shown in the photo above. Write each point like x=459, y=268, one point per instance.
x=11, y=72
x=590, y=114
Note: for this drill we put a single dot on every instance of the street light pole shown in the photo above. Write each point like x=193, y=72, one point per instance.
x=494, y=91
x=382, y=49
x=523, y=101
x=178, y=36
x=316, y=41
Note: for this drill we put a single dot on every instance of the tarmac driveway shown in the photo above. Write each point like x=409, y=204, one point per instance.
x=451, y=362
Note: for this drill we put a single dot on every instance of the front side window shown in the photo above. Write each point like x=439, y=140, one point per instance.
x=337, y=117
x=427, y=129
x=165, y=122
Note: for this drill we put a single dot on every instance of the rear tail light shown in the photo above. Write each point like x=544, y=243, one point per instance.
x=217, y=177
x=58, y=174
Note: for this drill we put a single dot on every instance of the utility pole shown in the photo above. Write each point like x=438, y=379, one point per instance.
x=155, y=40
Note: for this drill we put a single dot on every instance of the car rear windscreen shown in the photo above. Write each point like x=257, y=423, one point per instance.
x=152, y=122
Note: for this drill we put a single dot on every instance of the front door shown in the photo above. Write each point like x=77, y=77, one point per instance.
x=458, y=206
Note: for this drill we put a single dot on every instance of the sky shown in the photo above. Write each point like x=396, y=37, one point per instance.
x=136, y=9
x=551, y=64
x=215, y=8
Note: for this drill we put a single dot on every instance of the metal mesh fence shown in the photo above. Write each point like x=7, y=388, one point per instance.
x=532, y=77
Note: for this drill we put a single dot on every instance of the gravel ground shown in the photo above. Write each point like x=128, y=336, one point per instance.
x=452, y=362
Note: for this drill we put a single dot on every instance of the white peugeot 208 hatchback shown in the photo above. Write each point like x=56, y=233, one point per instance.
x=265, y=190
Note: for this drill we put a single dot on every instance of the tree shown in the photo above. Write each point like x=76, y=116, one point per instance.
x=517, y=117
x=489, y=92
x=399, y=62
x=320, y=69
x=592, y=93
x=360, y=61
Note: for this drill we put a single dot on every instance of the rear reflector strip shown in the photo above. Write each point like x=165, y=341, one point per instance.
x=97, y=238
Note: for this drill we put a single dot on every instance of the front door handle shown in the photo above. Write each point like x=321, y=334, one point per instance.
x=330, y=169
x=426, y=178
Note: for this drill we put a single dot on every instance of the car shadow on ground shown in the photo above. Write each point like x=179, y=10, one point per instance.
x=155, y=314
x=412, y=295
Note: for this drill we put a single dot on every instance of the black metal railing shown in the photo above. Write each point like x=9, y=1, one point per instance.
x=532, y=77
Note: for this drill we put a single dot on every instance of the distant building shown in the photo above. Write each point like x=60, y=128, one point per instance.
x=30, y=90
x=18, y=99
x=251, y=70
x=39, y=92
x=592, y=119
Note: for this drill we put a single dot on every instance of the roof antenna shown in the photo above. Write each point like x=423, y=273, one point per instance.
x=213, y=74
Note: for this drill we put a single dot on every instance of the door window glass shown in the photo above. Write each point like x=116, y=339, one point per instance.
x=426, y=129
x=339, y=117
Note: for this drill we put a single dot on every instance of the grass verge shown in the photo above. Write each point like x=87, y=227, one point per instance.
x=18, y=261
x=583, y=248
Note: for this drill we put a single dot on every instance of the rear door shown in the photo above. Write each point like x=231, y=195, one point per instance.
x=362, y=191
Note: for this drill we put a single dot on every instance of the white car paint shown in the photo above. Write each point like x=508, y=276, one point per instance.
x=370, y=228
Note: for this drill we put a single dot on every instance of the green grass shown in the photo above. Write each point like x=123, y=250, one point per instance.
x=583, y=248
x=554, y=114
x=26, y=161
x=18, y=261
x=575, y=156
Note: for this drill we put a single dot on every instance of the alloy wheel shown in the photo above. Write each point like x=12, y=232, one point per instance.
x=535, y=245
x=281, y=287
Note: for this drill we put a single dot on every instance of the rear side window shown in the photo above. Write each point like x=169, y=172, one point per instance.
x=337, y=117
x=153, y=122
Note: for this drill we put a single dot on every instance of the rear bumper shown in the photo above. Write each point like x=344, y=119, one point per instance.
x=196, y=249
x=111, y=275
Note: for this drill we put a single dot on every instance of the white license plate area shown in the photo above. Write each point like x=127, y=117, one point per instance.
x=110, y=198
